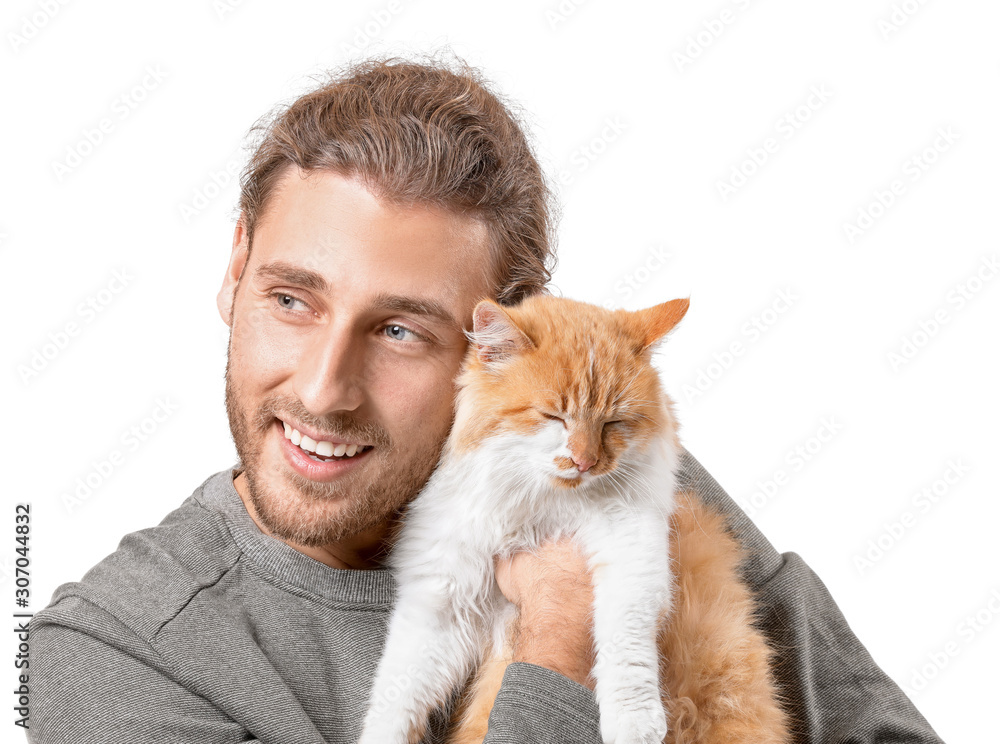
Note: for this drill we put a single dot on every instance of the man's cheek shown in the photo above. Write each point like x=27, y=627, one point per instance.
x=421, y=409
x=269, y=351
x=251, y=322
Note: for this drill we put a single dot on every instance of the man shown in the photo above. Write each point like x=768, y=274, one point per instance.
x=375, y=213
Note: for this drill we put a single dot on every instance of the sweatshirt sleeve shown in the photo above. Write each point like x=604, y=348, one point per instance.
x=838, y=692
x=86, y=691
x=834, y=690
x=537, y=705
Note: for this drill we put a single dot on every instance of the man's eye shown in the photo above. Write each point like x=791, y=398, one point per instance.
x=399, y=332
x=286, y=301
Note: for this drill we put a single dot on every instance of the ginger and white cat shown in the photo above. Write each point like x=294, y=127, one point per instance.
x=562, y=427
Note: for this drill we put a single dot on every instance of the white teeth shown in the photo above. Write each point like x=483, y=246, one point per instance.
x=322, y=448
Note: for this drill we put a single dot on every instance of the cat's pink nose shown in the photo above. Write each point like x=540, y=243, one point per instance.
x=584, y=463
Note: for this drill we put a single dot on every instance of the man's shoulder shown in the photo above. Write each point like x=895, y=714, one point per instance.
x=154, y=573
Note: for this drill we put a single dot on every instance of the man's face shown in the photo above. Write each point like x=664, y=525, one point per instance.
x=345, y=327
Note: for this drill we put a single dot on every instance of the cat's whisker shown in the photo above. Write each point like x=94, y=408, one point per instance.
x=635, y=476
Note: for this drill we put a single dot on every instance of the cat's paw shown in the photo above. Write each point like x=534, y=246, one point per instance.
x=644, y=723
x=384, y=729
x=382, y=735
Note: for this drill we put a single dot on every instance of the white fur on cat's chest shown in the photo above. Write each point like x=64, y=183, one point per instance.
x=500, y=498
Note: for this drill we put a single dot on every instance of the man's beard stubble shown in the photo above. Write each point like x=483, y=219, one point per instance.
x=314, y=514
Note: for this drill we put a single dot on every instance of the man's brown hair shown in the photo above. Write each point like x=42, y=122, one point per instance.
x=423, y=132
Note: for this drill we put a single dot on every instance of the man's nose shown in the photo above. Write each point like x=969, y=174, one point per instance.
x=328, y=375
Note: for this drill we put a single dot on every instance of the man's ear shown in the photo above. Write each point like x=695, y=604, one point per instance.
x=237, y=262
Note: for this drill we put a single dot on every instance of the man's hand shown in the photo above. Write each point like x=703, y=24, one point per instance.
x=554, y=595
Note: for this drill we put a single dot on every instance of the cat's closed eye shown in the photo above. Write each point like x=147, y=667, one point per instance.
x=552, y=416
x=562, y=419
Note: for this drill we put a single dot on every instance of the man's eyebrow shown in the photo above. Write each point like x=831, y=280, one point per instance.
x=286, y=273
x=415, y=306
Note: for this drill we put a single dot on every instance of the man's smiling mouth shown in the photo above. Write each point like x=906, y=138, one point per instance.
x=323, y=450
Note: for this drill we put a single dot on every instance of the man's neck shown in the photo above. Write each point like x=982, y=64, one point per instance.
x=364, y=551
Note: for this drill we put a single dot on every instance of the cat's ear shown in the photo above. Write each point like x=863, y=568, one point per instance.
x=657, y=321
x=495, y=334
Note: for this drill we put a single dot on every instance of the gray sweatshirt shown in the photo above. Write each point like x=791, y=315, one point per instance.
x=203, y=629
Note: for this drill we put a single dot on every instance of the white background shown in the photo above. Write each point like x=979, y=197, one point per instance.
x=643, y=138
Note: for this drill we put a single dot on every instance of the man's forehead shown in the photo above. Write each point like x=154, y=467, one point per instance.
x=326, y=227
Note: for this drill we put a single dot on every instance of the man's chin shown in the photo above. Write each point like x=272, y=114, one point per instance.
x=317, y=514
